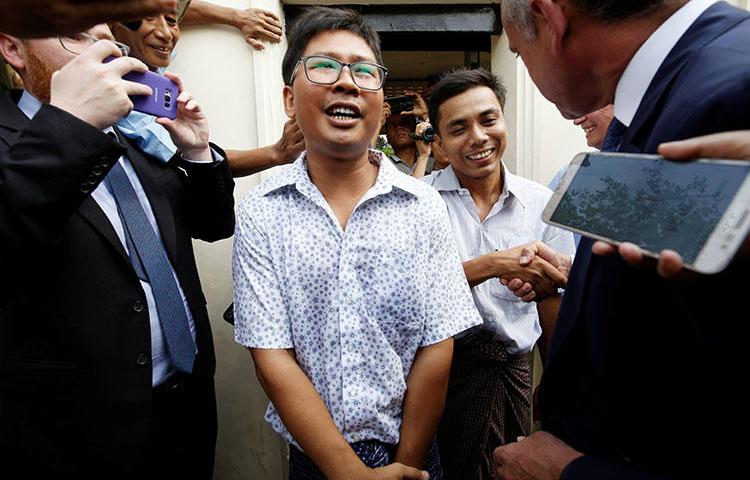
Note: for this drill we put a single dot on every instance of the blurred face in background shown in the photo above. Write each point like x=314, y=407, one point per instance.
x=595, y=124
x=399, y=128
x=153, y=42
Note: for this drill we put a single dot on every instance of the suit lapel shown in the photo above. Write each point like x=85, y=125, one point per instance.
x=716, y=20
x=152, y=177
x=95, y=216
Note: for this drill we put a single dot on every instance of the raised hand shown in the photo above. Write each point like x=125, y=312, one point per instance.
x=189, y=130
x=95, y=91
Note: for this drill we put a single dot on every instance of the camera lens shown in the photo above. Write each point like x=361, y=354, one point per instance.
x=428, y=135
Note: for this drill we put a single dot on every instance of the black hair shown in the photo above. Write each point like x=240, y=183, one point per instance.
x=459, y=81
x=316, y=20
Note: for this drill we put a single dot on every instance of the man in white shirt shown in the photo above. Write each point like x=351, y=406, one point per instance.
x=494, y=214
x=636, y=384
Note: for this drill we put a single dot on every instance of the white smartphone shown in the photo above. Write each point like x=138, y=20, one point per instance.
x=700, y=208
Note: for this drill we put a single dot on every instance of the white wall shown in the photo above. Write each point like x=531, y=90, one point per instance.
x=244, y=111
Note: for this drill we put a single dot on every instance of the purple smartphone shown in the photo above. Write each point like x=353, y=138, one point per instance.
x=162, y=102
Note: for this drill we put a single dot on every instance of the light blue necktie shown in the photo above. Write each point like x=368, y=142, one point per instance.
x=150, y=260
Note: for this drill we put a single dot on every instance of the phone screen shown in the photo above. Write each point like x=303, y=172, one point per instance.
x=652, y=202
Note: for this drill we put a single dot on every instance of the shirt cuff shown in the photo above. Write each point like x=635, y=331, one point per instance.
x=216, y=157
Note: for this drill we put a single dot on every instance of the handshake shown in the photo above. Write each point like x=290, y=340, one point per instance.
x=533, y=271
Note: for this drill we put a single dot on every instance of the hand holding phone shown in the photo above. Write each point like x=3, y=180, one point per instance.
x=189, y=129
x=103, y=102
x=646, y=204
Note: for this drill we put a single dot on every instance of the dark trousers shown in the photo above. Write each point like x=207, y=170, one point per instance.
x=374, y=454
x=182, y=434
x=488, y=405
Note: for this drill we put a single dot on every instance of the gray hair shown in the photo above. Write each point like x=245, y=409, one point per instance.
x=518, y=12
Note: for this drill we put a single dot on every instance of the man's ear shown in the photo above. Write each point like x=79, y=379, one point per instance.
x=553, y=16
x=14, y=51
x=289, y=106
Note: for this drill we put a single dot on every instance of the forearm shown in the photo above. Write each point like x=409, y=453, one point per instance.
x=305, y=415
x=205, y=13
x=547, y=310
x=248, y=162
x=482, y=268
x=420, y=166
x=427, y=386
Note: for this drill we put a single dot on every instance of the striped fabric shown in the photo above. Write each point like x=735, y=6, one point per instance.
x=488, y=405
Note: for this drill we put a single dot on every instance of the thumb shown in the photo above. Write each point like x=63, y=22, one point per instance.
x=527, y=255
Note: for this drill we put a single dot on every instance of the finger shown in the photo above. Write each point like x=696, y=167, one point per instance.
x=135, y=88
x=527, y=255
x=100, y=50
x=670, y=264
x=580, y=120
x=124, y=65
x=526, y=288
x=166, y=123
x=603, y=248
x=630, y=252
x=273, y=28
x=515, y=284
x=192, y=106
x=530, y=297
x=554, y=275
x=719, y=145
x=176, y=79
x=255, y=43
x=271, y=17
x=267, y=34
x=184, y=97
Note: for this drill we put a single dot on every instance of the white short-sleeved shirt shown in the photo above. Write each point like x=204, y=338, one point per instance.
x=514, y=220
x=353, y=304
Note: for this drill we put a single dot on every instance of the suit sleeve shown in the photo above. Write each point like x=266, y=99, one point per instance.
x=45, y=175
x=210, y=189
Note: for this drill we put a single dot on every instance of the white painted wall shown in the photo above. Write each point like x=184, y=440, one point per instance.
x=244, y=111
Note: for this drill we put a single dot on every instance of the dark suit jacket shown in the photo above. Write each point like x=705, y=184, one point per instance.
x=75, y=351
x=642, y=371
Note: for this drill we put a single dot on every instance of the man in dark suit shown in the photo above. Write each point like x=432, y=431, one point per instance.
x=639, y=381
x=106, y=355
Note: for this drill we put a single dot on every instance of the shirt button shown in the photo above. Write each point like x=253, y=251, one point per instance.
x=138, y=306
x=142, y=359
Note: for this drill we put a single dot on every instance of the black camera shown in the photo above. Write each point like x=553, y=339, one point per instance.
x=428, y=135
x=401, y=103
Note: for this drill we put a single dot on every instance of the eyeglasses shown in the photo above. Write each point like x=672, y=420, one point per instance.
x=327, y=71
x=78, y=42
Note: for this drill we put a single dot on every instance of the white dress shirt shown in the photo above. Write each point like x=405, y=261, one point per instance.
x=514, y=220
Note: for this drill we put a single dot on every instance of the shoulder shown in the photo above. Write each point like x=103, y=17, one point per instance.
x=534, y=195
x=263, y=199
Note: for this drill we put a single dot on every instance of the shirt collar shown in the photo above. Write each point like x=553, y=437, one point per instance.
x=388, y=178
x=446, y=181
x=29, y=104
x=642, y=68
